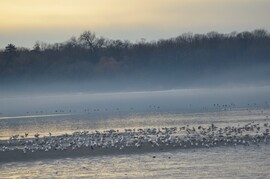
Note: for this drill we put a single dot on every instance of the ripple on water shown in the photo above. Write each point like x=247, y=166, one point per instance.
x=219, y=162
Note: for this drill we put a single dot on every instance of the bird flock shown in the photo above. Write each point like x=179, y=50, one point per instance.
x=166, y=137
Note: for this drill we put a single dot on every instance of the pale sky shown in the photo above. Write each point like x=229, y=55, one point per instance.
x=23, y=22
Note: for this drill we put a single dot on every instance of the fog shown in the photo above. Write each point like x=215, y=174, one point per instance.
x=90, y=74
x=176, y=101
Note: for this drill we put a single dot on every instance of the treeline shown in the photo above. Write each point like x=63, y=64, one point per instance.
x=183, y=59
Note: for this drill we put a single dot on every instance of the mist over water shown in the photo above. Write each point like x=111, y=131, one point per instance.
x=180, y=100
x=189, y=106
x=59, y=113
x=67, y=112
x=62, y=90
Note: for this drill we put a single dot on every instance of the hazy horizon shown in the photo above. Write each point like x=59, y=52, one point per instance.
x=25, y=22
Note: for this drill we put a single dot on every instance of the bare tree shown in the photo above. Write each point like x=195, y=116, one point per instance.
x=88, y=39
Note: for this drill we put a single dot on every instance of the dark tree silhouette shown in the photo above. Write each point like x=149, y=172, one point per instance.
x=88, y=40
x=10, y=48
x=181, y=61
x=37, y=47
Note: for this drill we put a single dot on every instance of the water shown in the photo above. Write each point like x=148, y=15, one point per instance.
x=219, y=162
x=60, y=114
x=60, y=124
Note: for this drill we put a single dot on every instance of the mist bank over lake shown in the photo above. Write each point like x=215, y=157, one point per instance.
x=91, y=63
x=120, y=103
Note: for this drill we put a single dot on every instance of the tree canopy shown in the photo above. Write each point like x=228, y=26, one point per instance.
x=187, y=57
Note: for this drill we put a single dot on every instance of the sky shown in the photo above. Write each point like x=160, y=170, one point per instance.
x=23, y=22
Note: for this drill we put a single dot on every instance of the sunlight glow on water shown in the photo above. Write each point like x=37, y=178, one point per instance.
x=60, y=124
x=139, y=110
x=220, y=162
